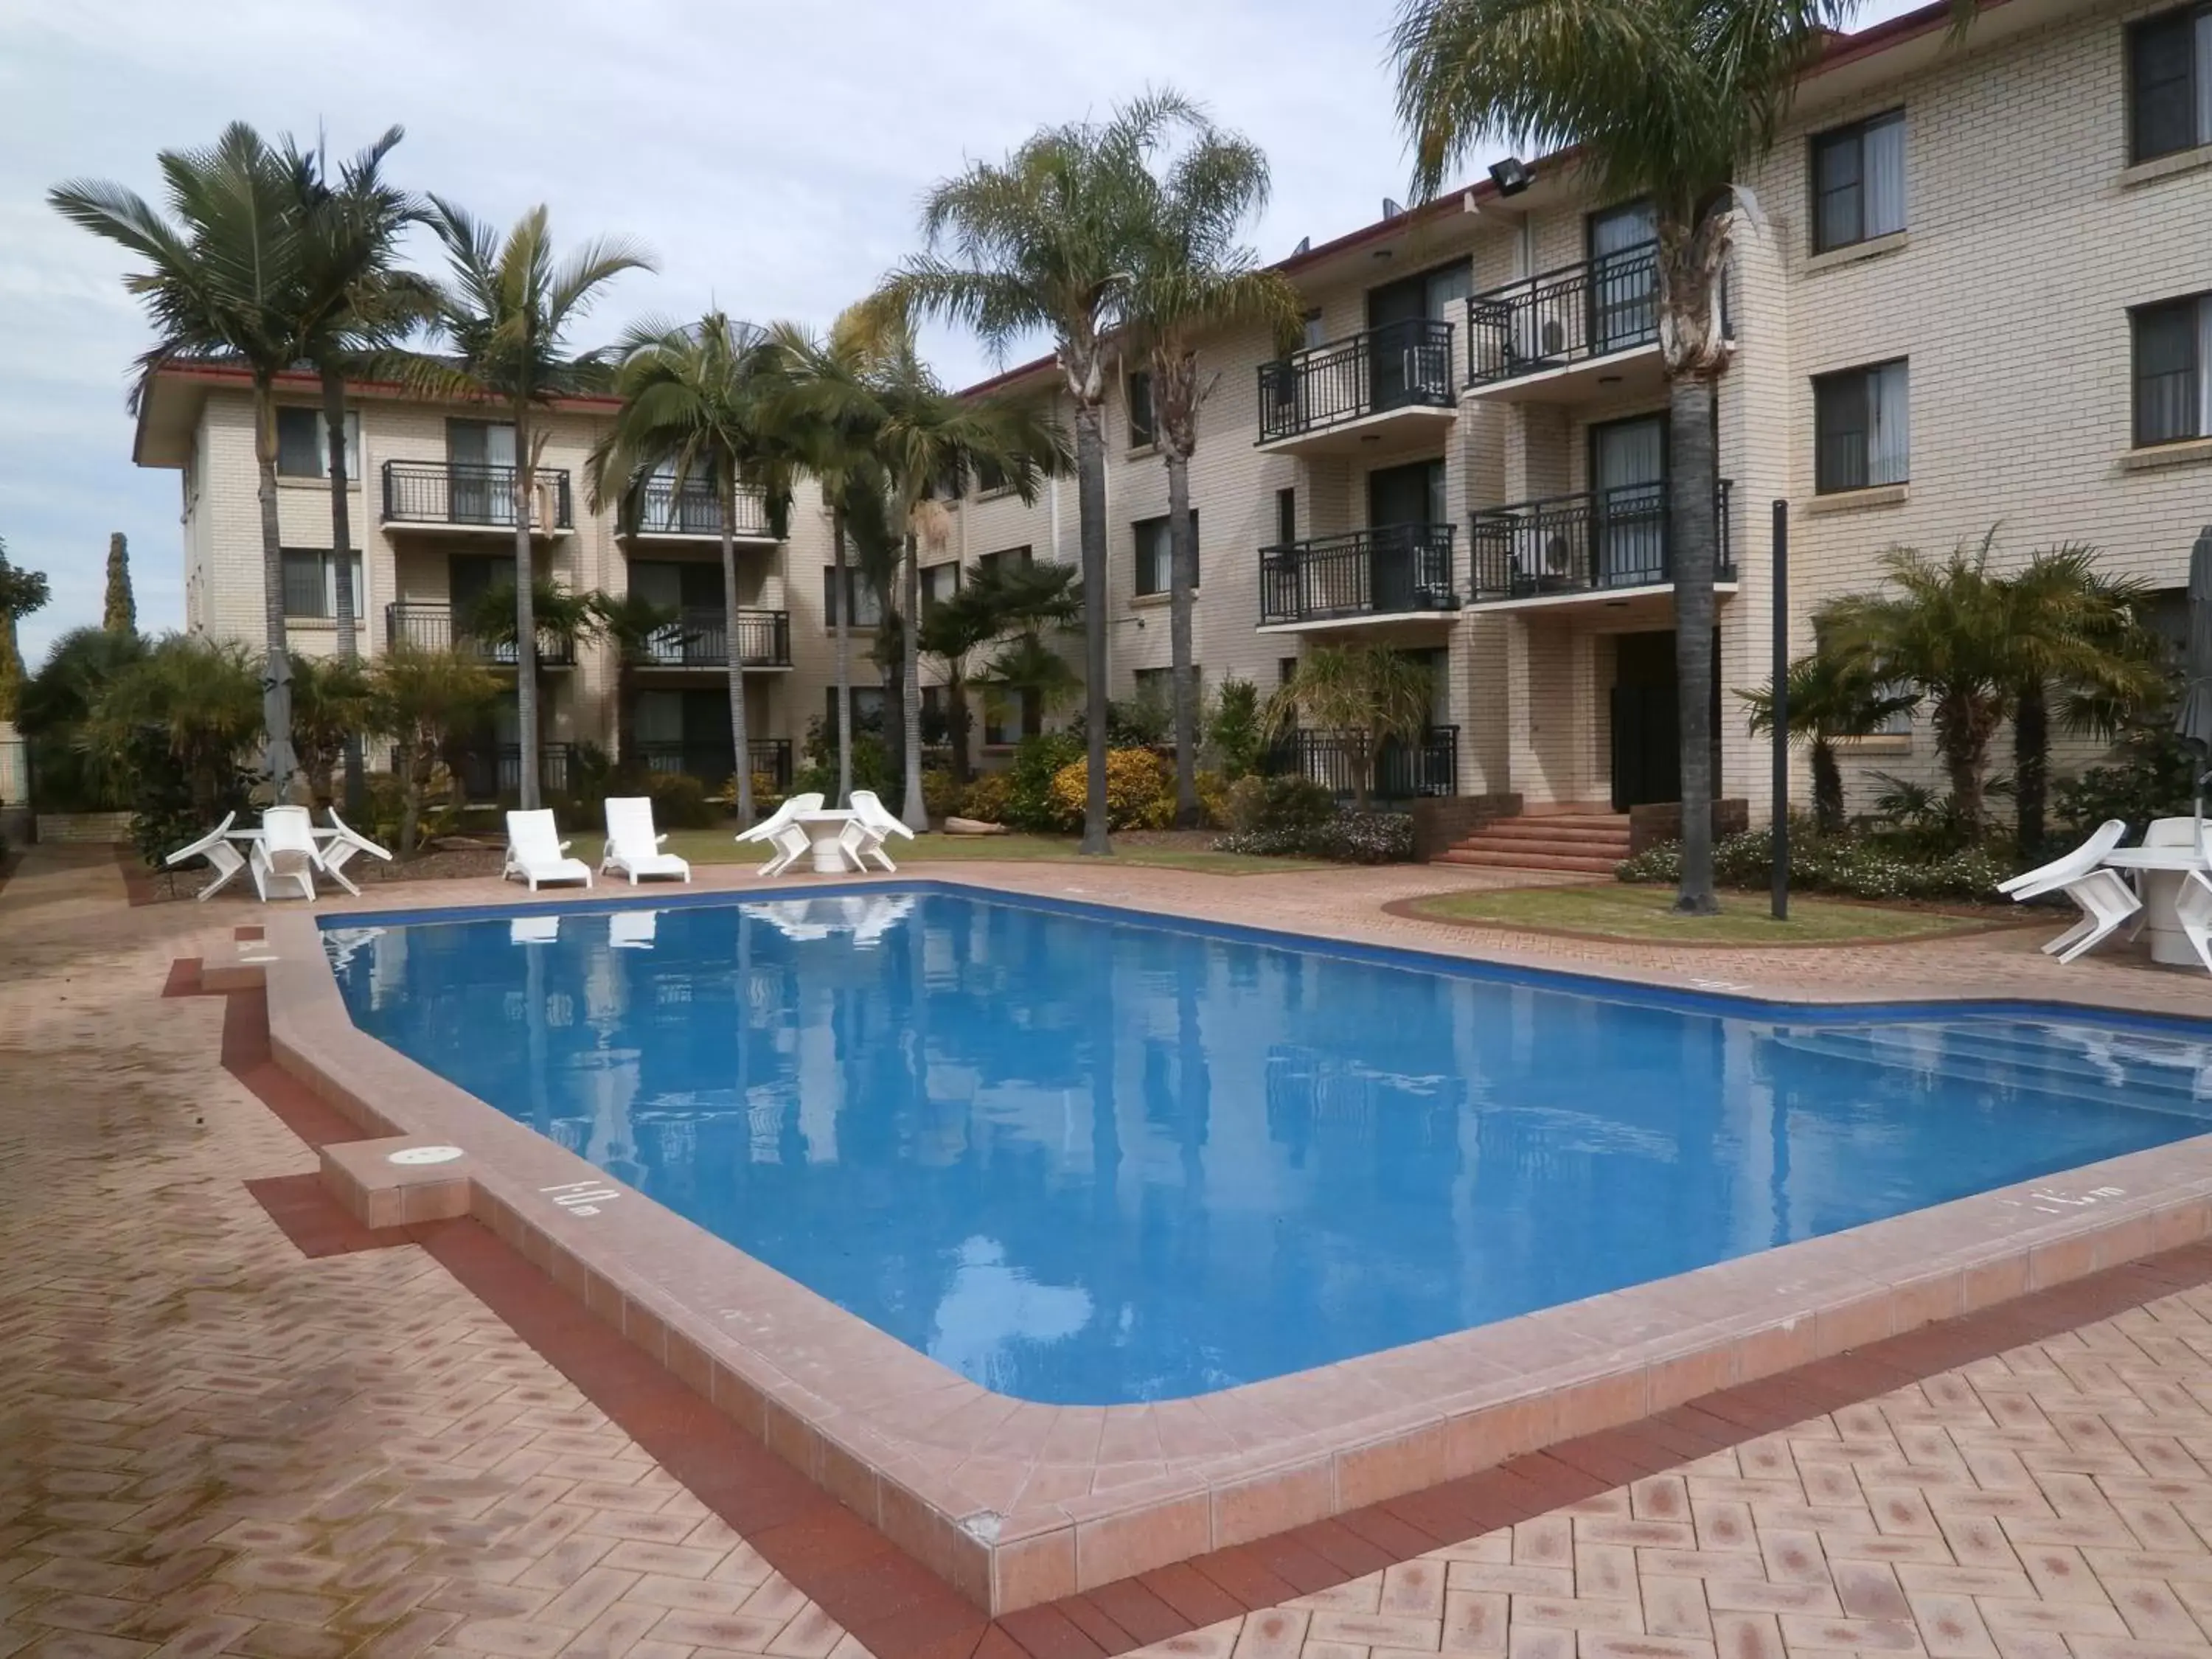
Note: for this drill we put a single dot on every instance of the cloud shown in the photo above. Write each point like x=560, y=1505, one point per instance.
x=772, y=155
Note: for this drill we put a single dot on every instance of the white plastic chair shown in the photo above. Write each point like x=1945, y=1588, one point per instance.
x=345, y=844
x=877, y=825
x=536, y=851
x=215, y=847
x=2170, y=832
x=633, y=847
x=2087, y=856
x=2106, y=903
x=2193, y=909
x=632, y=930
x=286, y=851
x=779, y=830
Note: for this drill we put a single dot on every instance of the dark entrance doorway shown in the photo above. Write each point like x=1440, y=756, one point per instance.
x=1647, y=744
x=1402, y=502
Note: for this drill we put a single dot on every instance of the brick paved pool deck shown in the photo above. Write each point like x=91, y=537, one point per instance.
x=212, y=1441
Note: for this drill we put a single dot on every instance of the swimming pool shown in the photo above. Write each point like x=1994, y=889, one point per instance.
x=1080, y=1159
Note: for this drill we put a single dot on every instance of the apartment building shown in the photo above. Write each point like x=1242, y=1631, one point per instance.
x=1980, y=292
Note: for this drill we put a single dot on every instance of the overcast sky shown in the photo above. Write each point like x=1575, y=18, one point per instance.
x=772, y=156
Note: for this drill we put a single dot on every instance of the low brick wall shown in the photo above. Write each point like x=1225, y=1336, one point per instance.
x=1441, y=822
x=87, y=829
x=1662, y=820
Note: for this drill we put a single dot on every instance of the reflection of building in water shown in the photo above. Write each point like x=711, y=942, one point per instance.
x=1346, y=1107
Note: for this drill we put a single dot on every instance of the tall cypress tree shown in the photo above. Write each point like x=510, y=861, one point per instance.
x=120, y=613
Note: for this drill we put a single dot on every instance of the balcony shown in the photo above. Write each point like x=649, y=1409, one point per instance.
x=1393, y=573
x=1572, y=548
x=1392, y=383
x=656, y=510
x=459, y=496
x=1561, y=336
x=492, y=771
x=701, y=638
x=431, y=628
x=1403, y=771
x=714, y=764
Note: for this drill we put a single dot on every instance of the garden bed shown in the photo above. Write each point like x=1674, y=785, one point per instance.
x=1645, y=916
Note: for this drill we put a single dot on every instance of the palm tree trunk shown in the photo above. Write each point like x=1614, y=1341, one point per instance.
x=1962, y=739
x=1827, y=788
x=841, y=582
x=956, y=716
x=2030, y=765
x=1091, y=526
x=1693, y=537
x=1182, y=577
x=741, y=748
x=342, y=616
x=276, y=670
x=915, y=812
x=526, y=617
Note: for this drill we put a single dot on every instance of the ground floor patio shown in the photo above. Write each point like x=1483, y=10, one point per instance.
x=233, y=1422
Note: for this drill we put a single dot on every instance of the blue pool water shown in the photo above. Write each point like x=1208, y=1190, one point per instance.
x=1084, y=1161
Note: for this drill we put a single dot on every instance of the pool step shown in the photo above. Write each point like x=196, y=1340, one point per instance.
x=1581, y=840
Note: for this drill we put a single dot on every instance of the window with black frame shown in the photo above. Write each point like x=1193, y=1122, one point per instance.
x=863, y=605
x=303, y=443
x=2169, y=83
x=1862, y=435
x=311, y=583
x=1858, y=182
x=1144, y=424
x=1156, y=554
x=2173, y=355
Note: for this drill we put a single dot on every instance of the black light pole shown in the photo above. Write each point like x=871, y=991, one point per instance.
x=1781, y=683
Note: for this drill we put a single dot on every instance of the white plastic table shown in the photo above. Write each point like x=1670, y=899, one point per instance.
x=822, y=828
x=2161, y=870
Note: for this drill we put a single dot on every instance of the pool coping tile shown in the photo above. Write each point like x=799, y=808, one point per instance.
x=1079, y=1497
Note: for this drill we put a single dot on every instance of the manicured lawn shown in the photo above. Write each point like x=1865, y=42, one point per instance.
x=716, y=846
x=1644, y=914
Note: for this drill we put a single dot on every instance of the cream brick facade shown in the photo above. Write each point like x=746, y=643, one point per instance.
x=2029, y=237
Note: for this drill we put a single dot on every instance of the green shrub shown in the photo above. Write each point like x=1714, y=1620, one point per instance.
x=1851, y=867
x=1037, y=762
x=1346, y=837
x=2153, y=775
x=1235, y=736
x=1213, y=800
x=873, y=767
x=941, y=793
x=680, y=802
x=1144, y=721
x=1286, y=801
x=1139, y=791
x=987, y=798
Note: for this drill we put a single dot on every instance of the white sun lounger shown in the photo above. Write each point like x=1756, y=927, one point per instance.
x=536, y=853
x=286, y=852
x=215, y=847
x=877, y=825
x=632, y=848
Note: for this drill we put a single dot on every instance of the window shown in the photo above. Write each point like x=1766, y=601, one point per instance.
x=303, y=444
x=2173, y=388
x=1011, y=713
x=1311, y=334
x=990, y=477
x=2169, y=83
x=1155, y=559
x=939, y=582
x=865, y=608
x=1143, y=427
x=1860, y=430
x=1012, y=557
x=1286, y=516
x=1287, y=668
x=868, y=708
x=311, y=583
x=1858, y=181
x=1155, y=686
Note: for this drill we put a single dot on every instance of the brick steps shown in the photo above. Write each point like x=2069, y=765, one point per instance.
x=1580, y=840
x=1567, y=861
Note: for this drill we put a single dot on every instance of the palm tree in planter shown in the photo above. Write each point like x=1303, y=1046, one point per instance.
x=223, y=271
x=1365, y=695
x=1048, y=241
x=633, y=625
x=425, y=701
x=358, y=302
x=506, y=309
x=1668, y=103
x=694, y=401
x=1829, y=698
x=1195, y=276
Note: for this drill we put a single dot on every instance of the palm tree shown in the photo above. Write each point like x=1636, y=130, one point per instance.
x=1047, y=241
x=1367, y=694
x=999, y=600
x=1829, y=698
x=224, y=272
x=199, y=698
x=1670, y=103
x=692, y=402
x=423, y=700
x=330, y=710
x=630, y=623
x=358, y=302
x=1193, y=277
x=506, y=309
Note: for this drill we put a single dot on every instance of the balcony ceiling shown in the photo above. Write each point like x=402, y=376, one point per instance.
x=1635, y=373
x=1379, y=627
x=1607, y=610
x=1416, y=426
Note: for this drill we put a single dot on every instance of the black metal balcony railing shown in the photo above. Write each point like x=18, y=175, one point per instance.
x=1398, y=365
x=714, y=764
x=1608, y=538
x=657, y=508
x=1403, y=771
x=701, y=638
x=461, y=493
x=1383, y=571
x=1581, y=311
x=492, y=771
x=432, y=628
